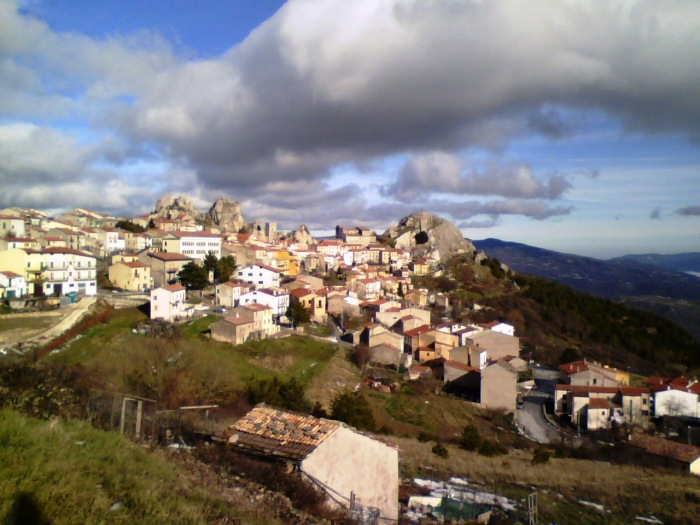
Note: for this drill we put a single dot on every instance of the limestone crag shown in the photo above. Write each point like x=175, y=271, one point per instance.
x=301, y=235
x=429, y=236
x=175, y=206
x=226, y=213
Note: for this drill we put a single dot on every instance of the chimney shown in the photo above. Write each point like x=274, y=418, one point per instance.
x=237, y=315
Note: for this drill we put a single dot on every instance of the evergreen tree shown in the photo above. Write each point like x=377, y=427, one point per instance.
x=353, y=409
x=193, y=277
x=298, y=313
x=225, y=268
x=210, y=262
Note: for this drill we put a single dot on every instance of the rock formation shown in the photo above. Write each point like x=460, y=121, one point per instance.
x=429, y=236
x=226, y=213
x=301, y=235
x=174, y=206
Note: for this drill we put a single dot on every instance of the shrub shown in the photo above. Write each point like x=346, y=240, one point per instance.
x=471, y=440
x=424, y=437
x=440, y=450
x=353, y=409
x=492, y=448
x=540, y=456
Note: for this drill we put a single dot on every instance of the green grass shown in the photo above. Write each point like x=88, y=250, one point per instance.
x=67, y=472
x=108, y=346
x=33, y=323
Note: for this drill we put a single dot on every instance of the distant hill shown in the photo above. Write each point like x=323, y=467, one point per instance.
x=680, y=262
x=670, y=293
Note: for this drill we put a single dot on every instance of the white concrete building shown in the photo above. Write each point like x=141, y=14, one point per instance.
x=228, y=294
x=672, y=402
x=12, y=285
x=260, y=276
x=170, y=303
x=193, y=244
x=345, y=463
x=68, y=271
x=13, y=225
x=276, y=298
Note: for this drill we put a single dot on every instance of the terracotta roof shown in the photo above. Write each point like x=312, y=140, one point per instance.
x=598, y=403
x=657, y=380
x=174, y=287
x=180, y=234
x=256, y=306
x=135, y=264
x=633, y=391
x=279, y=433
x=165, y=256
x=11, y=275
x=71, y=251
x=491, y=324
x=20, y=239
x=417, y=331
x=666, y=448
x=239, y=318
x=301, y=292
x=462, y=366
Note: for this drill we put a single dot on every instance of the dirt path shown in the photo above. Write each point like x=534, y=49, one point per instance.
x=42, y=326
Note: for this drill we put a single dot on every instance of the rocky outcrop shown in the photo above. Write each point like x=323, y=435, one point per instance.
x=301, y=235
x=175, y=206
x=226, y=213
x=429, y=236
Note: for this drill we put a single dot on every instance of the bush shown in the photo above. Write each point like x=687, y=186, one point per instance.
x=540, y=456
x=353, y=409
x=289, y=395
x=440, y=450
x=424, y=438
x=471, y=440
x=492, y=448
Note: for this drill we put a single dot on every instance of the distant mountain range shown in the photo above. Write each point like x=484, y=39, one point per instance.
x=681, y=262
x=653, y=282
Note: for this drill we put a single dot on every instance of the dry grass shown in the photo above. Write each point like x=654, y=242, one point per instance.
x=339, y=374
x=624, y=490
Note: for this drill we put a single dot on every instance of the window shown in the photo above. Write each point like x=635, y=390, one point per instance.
x=260, y=282
x=603, y=412
x=644, y=401
x=595, y=381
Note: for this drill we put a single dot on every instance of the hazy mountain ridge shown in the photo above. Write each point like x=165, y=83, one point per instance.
x=672, y=294
x=680, y=262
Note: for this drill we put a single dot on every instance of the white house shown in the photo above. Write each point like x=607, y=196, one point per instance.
x=193, y=244
x=276, y=298
x=12, y=285
x=69, y=271
x=12, y=225
x=346, y=464
x=260, y=276
x=170, y=303
x=673, y=402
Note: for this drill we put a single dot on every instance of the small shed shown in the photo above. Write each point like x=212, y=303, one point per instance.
x=349, y=466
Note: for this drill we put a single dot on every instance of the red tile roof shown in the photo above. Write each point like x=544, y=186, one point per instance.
x=417, y=331
x=11, y=275
x=71, y=251
x=597, y=403
x=462, y=366
x=174, y=287
x=165, y=256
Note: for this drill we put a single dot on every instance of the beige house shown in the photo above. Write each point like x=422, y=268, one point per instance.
x=245, y=323
x=164, y=266
x=347, y=465
x=499, y=382
x=316, y=304
x=133, y=276
x=496, y=344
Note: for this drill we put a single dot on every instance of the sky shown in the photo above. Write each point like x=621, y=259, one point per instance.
x=569, y=125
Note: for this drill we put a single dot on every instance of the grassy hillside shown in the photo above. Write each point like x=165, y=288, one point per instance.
x=65, y=472
x=187, y=367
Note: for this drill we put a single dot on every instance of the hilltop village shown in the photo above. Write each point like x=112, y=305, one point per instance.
x=366, y=291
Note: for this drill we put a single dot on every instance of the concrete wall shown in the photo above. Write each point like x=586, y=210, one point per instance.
x=498, y=388
x=675, y=403
x=349, y=462
x=497, y=345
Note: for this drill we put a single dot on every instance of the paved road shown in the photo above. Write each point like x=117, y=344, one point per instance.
x=530, y=416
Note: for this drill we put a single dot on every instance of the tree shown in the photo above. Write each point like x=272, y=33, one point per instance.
x=471, y=440
x=193, y=277
x=151, y=225
x=569, y=355
x=289, y=395
x=210, y=262
x=225, y=268
x=130, y=226
x=298, y=313
x=353, y=409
